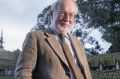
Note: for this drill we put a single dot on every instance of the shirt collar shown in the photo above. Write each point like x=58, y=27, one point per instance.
x=56, y=31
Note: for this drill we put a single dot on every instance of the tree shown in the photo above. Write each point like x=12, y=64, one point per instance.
x=105, y=15
x=43, y=20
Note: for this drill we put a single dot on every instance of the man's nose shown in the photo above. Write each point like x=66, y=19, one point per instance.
x=66, y=17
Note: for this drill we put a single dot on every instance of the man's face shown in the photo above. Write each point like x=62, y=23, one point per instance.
x=63, y=17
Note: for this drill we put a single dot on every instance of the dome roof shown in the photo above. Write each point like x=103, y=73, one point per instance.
x=6, y=55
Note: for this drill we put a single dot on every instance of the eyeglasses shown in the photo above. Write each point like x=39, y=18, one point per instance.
x=70, y=14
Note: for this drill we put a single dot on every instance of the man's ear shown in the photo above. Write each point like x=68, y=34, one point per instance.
x=50, y=14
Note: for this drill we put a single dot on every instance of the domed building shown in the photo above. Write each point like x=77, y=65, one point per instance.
x=7, y=61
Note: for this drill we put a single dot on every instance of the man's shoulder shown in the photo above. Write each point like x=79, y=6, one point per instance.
x=77, y=39
x=37, y=32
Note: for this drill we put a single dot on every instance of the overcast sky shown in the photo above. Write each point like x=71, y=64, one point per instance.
x=17, y=17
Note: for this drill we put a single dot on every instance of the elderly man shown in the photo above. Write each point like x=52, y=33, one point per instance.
x=53, y=53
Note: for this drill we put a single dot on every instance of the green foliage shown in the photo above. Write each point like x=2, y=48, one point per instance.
x=104, y=14
x=43, y=19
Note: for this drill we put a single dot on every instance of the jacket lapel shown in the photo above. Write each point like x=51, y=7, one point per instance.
x=79, y=50
x=54, y=43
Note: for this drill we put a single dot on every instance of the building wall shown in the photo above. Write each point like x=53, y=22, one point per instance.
x=105, y=66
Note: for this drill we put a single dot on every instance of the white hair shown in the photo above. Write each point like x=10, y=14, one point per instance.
x=55, y=5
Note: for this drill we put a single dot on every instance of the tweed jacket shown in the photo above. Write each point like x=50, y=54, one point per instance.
x=42, y=58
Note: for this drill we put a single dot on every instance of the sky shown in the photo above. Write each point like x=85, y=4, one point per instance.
x=17, y=17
